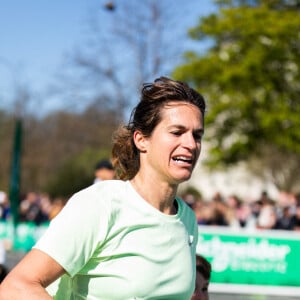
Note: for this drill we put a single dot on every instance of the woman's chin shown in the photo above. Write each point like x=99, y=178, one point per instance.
x=182, y=178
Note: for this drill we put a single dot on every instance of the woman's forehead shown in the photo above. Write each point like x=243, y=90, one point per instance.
x=179, y=111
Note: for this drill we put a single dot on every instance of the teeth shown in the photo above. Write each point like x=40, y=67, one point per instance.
x=182, y=158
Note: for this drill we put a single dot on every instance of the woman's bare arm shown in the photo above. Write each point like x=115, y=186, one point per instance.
x=30, y=277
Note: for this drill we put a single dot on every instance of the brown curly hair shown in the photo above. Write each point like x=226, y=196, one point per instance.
x=145, y=117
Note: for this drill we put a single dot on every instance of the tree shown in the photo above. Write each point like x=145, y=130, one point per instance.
x=49, y=143
x=75, y=173
x=6, y=145
x=127, y=43
x=250, y=76
x=11, y=144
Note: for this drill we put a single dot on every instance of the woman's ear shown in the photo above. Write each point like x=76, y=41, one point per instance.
x=140, y=141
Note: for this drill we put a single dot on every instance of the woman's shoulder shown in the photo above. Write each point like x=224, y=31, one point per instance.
x=105, y=185
x=96, y=199
x=101, y=190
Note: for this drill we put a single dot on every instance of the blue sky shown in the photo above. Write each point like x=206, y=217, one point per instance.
x=35, y=35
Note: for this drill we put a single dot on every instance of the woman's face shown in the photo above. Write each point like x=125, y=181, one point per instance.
x=172, y=150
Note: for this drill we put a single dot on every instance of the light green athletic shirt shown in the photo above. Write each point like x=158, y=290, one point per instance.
x=116, y=246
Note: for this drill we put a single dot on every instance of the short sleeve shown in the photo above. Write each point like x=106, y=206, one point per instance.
x=73, y=235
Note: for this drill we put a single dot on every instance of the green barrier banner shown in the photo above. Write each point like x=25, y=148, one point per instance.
x=258, y=258
x=23, y=237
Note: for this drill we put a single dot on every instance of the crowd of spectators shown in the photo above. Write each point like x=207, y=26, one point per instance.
x=231, y=211
x=40, y=208
x=34, y=207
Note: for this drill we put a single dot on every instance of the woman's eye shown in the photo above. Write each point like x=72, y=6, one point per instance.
x=177, y=133
x=198, y=137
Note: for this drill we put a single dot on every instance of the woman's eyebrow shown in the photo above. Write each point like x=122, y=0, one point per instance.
x=179, y=126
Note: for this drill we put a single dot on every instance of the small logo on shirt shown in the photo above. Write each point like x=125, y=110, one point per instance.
x=191, y=239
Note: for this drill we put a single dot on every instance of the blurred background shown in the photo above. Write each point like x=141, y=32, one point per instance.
x=70, y=73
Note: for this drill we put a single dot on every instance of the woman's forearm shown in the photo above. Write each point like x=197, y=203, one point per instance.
x=30, y=277
x=16, y=290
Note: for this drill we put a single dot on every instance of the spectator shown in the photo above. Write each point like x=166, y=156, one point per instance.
x=104, y=171
x=220, y=210
x=198, y=208
x=5, y=210
x=286, y=221
x=203, y=273
x=233, y=202
x=204, y=213
x=57, y=205
x=245, y=216
x=297, y=219
x=267, y=216
x=30, y=209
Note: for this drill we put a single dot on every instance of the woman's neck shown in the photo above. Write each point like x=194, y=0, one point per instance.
x=159, y=194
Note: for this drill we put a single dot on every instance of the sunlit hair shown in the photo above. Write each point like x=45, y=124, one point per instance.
x=145, y=117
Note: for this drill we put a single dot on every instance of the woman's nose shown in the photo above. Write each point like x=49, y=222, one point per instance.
x=189, y=141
